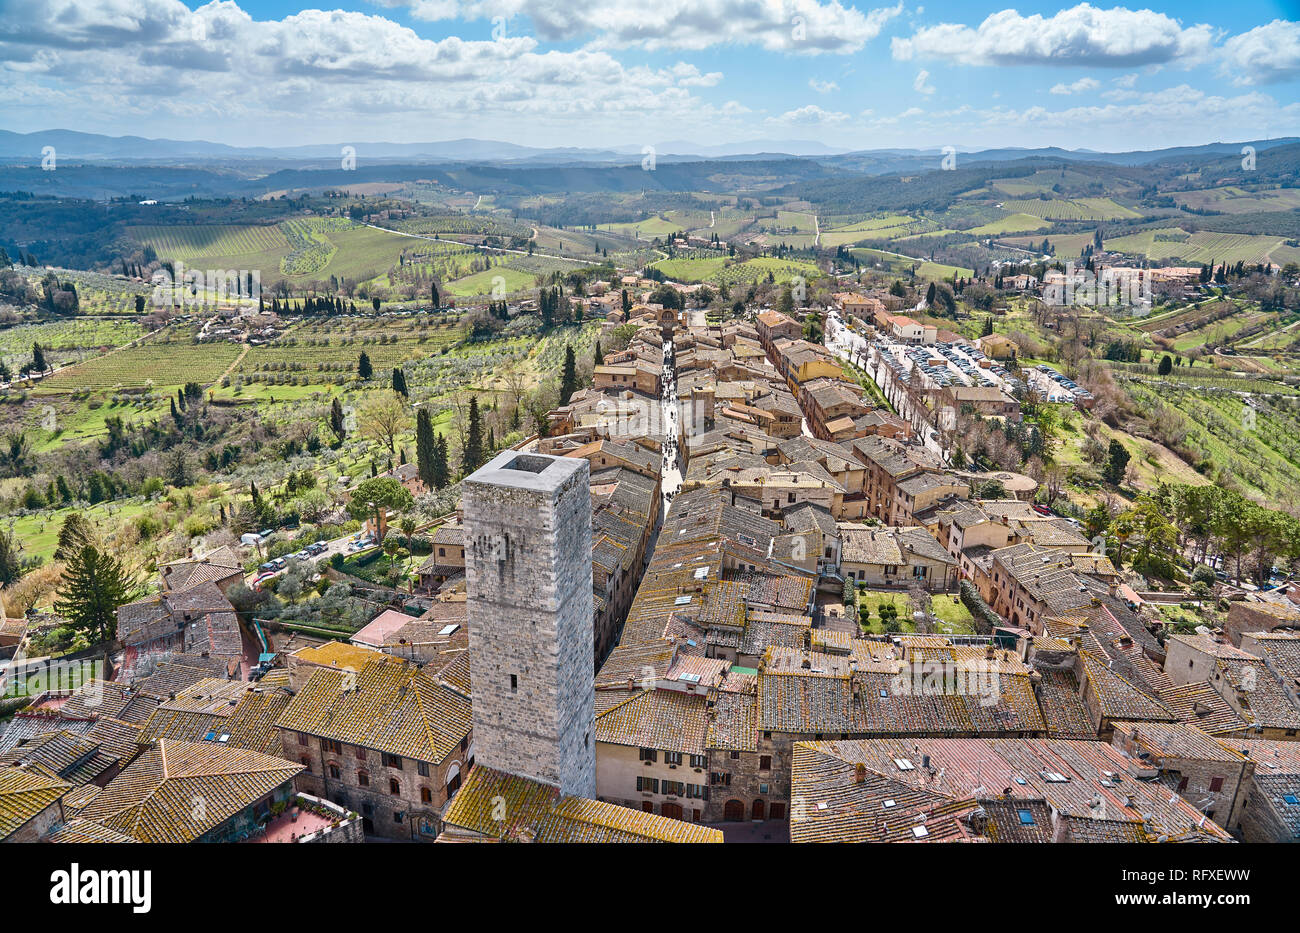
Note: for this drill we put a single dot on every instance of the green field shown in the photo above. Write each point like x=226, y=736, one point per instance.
x=168, y=360
x=1233, y=200
x=1015, y=223
x=1065, y=209
x=486, y=282
x=691, y=270
x=1205, y=246
x=207, y=241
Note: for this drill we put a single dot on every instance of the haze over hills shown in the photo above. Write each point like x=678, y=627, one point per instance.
x=27, y=149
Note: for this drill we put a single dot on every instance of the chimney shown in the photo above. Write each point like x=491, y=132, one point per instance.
x=859, y=773
x=1114, y=589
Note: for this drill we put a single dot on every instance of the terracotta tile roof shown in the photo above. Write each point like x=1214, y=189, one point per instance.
x=24, y=794
x=1070, y=776
x=74, y=759
x=1179, y=739
x=835, y=808
x=338, y=654
x=153, y=799
x=389, y=705
x=665, y=719
x=1198, y=704
x=733, y=721
x=237, y=713
x=79, y=832
x=528, y=810
x=1116, y=697
x=1063, y=708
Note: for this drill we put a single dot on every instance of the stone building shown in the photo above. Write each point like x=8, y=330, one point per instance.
x=385, y=739
x=528, y=575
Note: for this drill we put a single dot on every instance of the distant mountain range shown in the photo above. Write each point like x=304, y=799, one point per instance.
x=70, y=145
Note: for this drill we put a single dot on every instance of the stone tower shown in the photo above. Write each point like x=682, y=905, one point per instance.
x=530, y=607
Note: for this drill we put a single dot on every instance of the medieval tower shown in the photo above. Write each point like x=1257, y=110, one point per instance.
x=530, y=607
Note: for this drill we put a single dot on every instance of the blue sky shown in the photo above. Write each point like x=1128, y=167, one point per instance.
x=629, y=72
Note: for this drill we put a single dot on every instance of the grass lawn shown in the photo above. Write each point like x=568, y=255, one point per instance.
x=877, y=598
x=956, y=618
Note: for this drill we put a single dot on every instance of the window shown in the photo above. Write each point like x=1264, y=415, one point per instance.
x=335, y=773
x=672, y=758
x=1026, y=817
x=361, y=753
x=397, y=816
x=1216, y=784
x=363, y=779
x=514, y=683
x=645, y=784
x=649, y=754
x=674, y=788
x=422, y=768
x=442, y=552
x=735, y=756
x=698, y=761
x=762, y=788
x=392, y=761
x=394, y=788
x=306, y=763
x=426, y=795
x=1291, y=799
x=330, y=745
x=303, y=738
x=764, y=762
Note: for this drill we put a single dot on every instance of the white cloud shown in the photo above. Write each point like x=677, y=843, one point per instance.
x=1077, y=87
x=822, y=87
x=798, y=26
x=809, y=115
x=919, y=83
x=1265, y=54
x=216, y=71
x=1127, y=80
x=1081, y=35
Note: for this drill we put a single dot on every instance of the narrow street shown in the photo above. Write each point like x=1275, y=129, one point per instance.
x=671, y=472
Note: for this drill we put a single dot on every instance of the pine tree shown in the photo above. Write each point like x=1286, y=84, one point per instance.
x=399, y=382
x=473, y=453
x=94, y=586
x=364, y=369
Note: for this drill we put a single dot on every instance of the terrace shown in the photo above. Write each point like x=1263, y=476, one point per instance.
x=305, y=816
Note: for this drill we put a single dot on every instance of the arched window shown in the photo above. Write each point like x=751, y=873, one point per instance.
x=426, y=795
x=394, y=788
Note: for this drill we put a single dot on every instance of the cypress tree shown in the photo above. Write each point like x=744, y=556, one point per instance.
x=441, y=469
x=569, y=379
x=426, y=448
x=473, y=454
